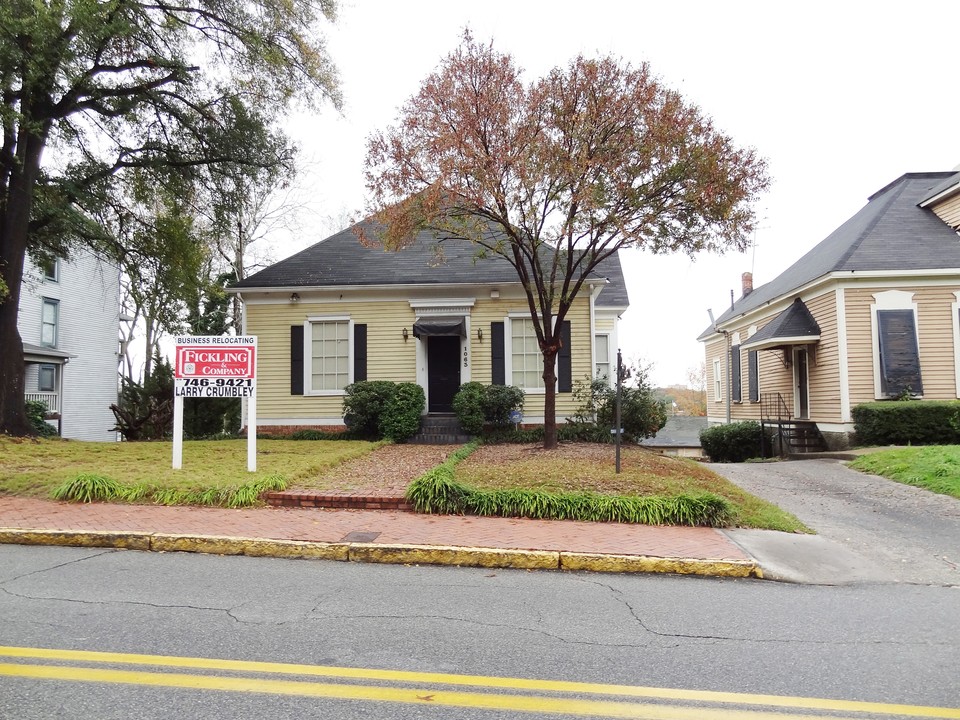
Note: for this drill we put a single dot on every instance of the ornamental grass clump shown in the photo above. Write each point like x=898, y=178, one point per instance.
x=438, y=491
x=88, y=487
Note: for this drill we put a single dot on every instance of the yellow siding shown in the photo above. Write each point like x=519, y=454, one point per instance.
x=775, y=376
x=389, y=356
x=824, y=363
x=949, y=211
x=935, y=335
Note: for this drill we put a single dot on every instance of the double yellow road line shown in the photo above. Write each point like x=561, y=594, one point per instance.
x=547, y=697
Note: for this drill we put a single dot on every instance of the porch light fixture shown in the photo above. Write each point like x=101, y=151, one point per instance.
x=406, y=334
x=294, y=298
x=480, y=334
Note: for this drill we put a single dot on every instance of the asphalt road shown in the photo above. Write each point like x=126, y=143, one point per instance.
x=869, y=529
x=866, y=643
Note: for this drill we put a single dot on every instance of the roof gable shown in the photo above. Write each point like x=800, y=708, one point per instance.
x=343, y=261
x=891, y=232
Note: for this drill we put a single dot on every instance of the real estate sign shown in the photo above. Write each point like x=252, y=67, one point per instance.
x=208, y=366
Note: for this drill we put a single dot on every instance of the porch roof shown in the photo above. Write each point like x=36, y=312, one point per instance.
x=794, y=326
x=39, y=354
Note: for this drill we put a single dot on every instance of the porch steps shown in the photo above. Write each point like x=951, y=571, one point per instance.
x=440, y=429
x=803, y=437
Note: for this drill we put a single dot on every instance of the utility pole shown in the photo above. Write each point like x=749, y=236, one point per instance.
x=617, y=432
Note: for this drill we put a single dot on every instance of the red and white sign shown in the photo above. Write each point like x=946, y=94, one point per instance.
x=216, y=357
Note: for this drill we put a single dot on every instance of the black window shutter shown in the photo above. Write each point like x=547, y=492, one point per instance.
x=296, y=359
x=736, y=385
x=899, y=356
x=753, y=369
x=359, y=352
x=498, y=369
x=565, y=360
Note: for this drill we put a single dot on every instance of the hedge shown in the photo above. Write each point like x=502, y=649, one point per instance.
x=908, y=422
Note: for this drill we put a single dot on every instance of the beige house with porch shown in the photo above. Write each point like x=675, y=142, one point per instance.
x=870, y=313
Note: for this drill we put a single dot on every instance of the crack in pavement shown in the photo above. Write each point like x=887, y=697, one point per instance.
x=618, y=595
x=137, y=603
x=108, y=551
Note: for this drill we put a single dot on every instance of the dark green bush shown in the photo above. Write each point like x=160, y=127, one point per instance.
x=478, y=405
x=734, y=442
x=500, y=401
x=468, y=404
x=36, y=412
x=311, y=434
x=364, y=403
x=400, y=418
x=923, y=422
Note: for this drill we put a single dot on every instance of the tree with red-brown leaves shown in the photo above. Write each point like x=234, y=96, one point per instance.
x=558, y=174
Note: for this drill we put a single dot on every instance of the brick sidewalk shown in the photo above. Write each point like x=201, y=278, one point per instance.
x=388, y=527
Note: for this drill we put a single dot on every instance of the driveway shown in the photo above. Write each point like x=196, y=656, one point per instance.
x=869, y=529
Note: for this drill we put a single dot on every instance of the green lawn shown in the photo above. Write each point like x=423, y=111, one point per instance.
x=933, y=467
x=34, y=468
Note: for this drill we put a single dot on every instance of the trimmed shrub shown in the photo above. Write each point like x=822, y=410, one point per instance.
x=468, y=404
x=923, y=422
x=735, y=442
x=500, y=401
x=478, y=405
x=364, y=403
x=400, y=418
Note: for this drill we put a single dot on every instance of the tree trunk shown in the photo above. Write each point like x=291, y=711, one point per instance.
x=14, y=229
x=550, y=398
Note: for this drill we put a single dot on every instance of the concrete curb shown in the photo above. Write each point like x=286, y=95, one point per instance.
x=386, y=553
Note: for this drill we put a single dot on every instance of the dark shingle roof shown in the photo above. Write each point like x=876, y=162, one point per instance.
x=889, y=233
x=794, y=322
x=948, y=182
x=342, y=260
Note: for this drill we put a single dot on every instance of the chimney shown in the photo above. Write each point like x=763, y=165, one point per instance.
x=747, y=279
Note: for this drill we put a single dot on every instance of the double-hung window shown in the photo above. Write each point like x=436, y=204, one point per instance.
x=601, y=348
x=49, y=320
x=329, y=355
x=717, y=380
x=526, y=360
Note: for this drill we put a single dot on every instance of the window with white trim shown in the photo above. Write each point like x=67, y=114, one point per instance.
x=896, y=349
x=717, y=380
x=601, y=353
x=49, y=320
x=329, y=355
x=526, y=360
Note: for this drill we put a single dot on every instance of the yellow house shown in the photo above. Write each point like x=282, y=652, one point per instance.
x=871, y=313
x=432, y=313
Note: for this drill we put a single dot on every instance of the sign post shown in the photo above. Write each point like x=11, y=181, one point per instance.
x=209, y=366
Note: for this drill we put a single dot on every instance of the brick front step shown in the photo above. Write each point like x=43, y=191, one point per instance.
x=340, y=501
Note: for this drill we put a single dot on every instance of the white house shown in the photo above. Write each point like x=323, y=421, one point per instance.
x=69, y=322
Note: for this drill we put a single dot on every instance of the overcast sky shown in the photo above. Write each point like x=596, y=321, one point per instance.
x=840, y=97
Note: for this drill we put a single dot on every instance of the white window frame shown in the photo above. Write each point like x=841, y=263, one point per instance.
x=308, y=324
x=889, y=300
x=55, y=304
x=955, y=310
x=717, y=380
x=608, y=361
x=508, y=353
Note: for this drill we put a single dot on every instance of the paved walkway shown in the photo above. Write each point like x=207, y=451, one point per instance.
x=379, y=536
